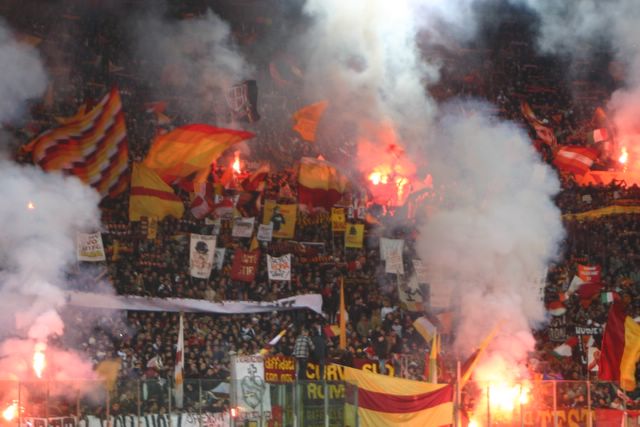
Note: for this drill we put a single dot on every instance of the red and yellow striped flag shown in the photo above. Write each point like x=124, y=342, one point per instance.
x=320, y=183
x=92, y=146
x=388, y=401
x=190, y=149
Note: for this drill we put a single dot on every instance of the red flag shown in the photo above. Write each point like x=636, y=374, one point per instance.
x=575, y=159
x=620, y=348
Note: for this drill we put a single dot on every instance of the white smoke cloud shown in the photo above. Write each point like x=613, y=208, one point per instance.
x=566, y=25
x=22, y=75
x=497, y=228
x=40, y=213
x=197, y=57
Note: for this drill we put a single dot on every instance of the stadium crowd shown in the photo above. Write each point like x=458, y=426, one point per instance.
x=380, y=325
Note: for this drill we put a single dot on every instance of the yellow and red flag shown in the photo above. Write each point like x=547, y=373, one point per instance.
x=620, y=348
x=343, y=318
x=307, y=118
x=387, y=401
x=190, y=149
x=151, y=197
x=320, y=183
x=92, y=146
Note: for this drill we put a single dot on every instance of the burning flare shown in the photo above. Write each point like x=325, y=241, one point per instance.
x=10, y=412
x=236, y=162
x=30, y=205
x=624, y=156
x=39, y=360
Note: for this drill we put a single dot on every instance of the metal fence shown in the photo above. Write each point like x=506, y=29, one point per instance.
x=211, y=403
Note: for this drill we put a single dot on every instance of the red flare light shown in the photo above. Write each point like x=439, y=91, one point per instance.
x=39, y=359
x=624, y=156
x=30, y=205
x=236, y=163
x=10, y=412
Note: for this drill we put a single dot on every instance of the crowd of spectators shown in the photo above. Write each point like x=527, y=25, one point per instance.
x=379, y=326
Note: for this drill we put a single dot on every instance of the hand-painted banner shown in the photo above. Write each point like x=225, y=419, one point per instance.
x=243, y=227
x=389, y=247
x=201, y=255
x=245, y=264
x=354, y=237
x=217, y=419
x=283, y=218
x=90, y=247
x=279, y=267
x=279, y=369
x=265, y=232
x=176, y=305
x=251, y=392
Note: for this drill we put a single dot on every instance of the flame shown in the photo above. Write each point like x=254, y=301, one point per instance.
x=624, y=156
x=473, y=423
x=236, y=162
x=30, y=205
x=11, y=411
x=505, y=397
x=39, y=360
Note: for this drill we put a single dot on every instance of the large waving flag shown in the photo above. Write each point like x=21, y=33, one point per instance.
x=92, y=146
x=307, y=119
x=389, y=401
x=151, y=197
x=575, y=159
x=320, y=183
x=620, y=348
x=190, y=150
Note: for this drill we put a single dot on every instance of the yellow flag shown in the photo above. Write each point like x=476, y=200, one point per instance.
x=354, y=236
x=108, y=370
x=307, y=119
x=283, y=217
x=151, y=197
x=152, y=228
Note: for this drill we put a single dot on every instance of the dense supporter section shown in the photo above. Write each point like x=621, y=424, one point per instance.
x=332, y=221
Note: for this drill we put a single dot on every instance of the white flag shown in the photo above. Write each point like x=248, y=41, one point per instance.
x=89, y=247
x=279, y=267
x=218, y=259
x=201, y=255
x=389, y=246
x=178, y=372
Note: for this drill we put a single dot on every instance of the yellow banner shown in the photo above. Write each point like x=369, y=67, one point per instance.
x=338, y=220
x=601, y=212
x=354, y=236
x=283, y=218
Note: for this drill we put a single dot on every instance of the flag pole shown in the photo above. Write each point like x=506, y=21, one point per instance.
x=458, y=405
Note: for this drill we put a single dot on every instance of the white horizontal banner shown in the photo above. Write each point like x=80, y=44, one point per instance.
x=121, y=302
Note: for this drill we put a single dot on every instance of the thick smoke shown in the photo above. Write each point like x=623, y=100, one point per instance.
x=490, y=239
x=496, y=227
x=22, y=75
x=40, y=214
x=196, y=57
x=566, y=25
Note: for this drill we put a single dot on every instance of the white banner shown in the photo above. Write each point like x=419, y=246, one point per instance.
x=279, y=267
x=214, y=419
x=201, y=255
x=218, y=258
x=89, y=247
x=265, y=232
x=242, y=227
x=394, y=264
x=251, y=395
x=388, y=246
x=122, y=302
x=410, y=295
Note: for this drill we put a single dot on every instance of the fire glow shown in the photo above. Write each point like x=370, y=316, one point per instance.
x=10, y=412
x=236, y=163
x=624, y=156
x=39, y=359
x=30, y=205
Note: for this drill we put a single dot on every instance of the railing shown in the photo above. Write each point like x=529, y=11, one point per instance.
x=153, y=403
x=211, y=403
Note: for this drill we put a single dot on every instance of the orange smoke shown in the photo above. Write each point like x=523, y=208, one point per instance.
x=39, y=359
